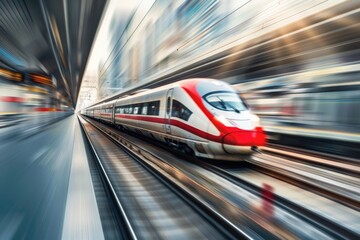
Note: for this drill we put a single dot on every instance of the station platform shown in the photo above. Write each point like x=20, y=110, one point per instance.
x=45, y=186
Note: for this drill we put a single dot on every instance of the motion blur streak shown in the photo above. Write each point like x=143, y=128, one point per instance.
x=33, y=183
x=44, y=47
x=295, y=63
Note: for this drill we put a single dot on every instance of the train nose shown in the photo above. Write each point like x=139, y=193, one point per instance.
x=242, y=141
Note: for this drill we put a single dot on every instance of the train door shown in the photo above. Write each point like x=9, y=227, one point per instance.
x=113, y=113
x=167, y=117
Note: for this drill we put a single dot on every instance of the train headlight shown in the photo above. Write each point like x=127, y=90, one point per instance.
x=223, y=120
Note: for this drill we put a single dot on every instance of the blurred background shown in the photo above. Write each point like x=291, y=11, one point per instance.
x=296, y=63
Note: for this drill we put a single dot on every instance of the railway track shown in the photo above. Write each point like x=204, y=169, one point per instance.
x=150, y=205
x=332, y=228
x=346, y=165
x=112, y=220
x=331, y=183
x=234, y=220
x=322, y=223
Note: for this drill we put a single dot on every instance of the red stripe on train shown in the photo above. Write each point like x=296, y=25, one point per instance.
x=173, y=122
x=237, y=137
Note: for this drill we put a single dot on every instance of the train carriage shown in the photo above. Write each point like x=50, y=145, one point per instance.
x=205, y=117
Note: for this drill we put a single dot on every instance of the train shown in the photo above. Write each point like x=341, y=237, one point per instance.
x=203, y=117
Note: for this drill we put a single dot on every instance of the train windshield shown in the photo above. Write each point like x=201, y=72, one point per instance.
x=226, y=101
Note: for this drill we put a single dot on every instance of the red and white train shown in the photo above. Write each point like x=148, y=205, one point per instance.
x=205, y=117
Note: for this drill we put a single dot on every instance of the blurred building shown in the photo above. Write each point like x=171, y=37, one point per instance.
x=296, y=62
x=164, y=35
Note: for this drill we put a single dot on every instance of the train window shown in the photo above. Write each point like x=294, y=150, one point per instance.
x=180, y=111
x=140, y=108
x=157, y=107
x=119, y=110
x=153, y=108
x=144, y=109
x=136, y=108
x=226, y=101
x=150, y=108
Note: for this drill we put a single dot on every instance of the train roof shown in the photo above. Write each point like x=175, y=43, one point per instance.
x=195, y=85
